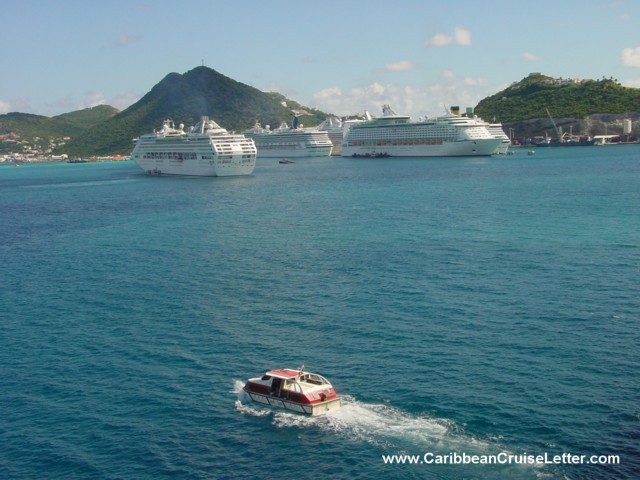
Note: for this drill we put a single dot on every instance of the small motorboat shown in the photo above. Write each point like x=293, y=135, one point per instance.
x=286, y=160
x=295, y=390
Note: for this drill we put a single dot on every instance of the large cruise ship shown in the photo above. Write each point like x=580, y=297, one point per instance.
x=497, y=131
x=393, y=135
x=290, y=141
x=333, y=127
x=207, y=150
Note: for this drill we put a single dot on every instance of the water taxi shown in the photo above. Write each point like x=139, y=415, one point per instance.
x=296, y=390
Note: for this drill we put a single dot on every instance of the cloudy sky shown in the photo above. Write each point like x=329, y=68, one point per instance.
x=342, y=56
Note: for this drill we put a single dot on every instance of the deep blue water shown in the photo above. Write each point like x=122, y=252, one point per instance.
x=465, y=305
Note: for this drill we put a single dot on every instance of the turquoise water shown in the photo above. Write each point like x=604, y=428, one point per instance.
x=473, y=306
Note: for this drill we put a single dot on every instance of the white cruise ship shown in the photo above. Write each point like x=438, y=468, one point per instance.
x=497, y=131
x=395, y=135
x=290, y=141
x=207, y=150
x=333, y=127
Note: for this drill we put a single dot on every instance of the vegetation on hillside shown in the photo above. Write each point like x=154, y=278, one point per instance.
x=531, y=97
x=184, y=99
x=40, y=132
x=88, y=117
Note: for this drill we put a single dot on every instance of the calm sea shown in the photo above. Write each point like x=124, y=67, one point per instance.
x=462, y=306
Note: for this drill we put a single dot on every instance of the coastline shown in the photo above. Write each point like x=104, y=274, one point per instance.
x=50, y=159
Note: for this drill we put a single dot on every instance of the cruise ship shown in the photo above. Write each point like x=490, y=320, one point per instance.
x=393, y=135
x=333, y=127
x=497, y=131
x=290, y=141
x=207, y=150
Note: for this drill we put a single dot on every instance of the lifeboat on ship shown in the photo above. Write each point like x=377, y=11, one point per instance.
x=296, y=390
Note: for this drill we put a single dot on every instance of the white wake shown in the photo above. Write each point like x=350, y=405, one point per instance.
x=389, y=428
x=378, y=424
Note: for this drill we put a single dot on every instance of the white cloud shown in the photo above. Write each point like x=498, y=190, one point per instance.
x=632, y=83
x=411, y=99
x=5, y=107
x=92, y=99
x=125, y=39
x=530, y=57
x=448, y=74
x=376, y=88
x=440, y=40
x=68, y=104
x=474, y=81
x=125, y=100
x=16, y=105
x=631, y=57
x=327, y=93
x=401, y=66
x=460, y=36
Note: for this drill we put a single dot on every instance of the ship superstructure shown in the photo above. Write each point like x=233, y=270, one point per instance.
x=393, y=135
x=206, y=150
x=290, y=141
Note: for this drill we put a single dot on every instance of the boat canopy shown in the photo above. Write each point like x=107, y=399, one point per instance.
x=285, y=373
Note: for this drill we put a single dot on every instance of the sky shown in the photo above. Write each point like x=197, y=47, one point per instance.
x=342, y=57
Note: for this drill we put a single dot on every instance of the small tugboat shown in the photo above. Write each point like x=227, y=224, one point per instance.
x=295, y=390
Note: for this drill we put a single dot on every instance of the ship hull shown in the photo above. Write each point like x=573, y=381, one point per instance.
x=503, y=148
x=195, y=157
x=312, y=409
x=197, y=168
x=466, y=148
x=293, y=143
x=296, y=151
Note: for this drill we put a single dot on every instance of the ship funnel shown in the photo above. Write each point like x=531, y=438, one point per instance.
x=387, y=111
x=455, y=110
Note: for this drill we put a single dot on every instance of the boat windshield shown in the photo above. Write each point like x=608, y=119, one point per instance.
x=313, y=379
x=292, y=386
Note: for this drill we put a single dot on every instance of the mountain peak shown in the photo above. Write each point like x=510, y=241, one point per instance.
x=185, y=98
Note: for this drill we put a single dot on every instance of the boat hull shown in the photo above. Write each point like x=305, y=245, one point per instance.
x=503, y=148
x=266, y=150
x=198, y=168
x=291, y=143
x=465, y=148
x=210, y=152
x=311, y=409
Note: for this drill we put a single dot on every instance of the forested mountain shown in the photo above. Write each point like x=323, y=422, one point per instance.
x=536, y=94
x=589, y=106
x=185, y=98
x=42, y=133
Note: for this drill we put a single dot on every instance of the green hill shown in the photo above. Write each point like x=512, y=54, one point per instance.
x=88, y=117
x=588, y=106
x=39, y=133
x=185, y=98
x=564, y=98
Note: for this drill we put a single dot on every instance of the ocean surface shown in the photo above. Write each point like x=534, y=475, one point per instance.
x=469, y=306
